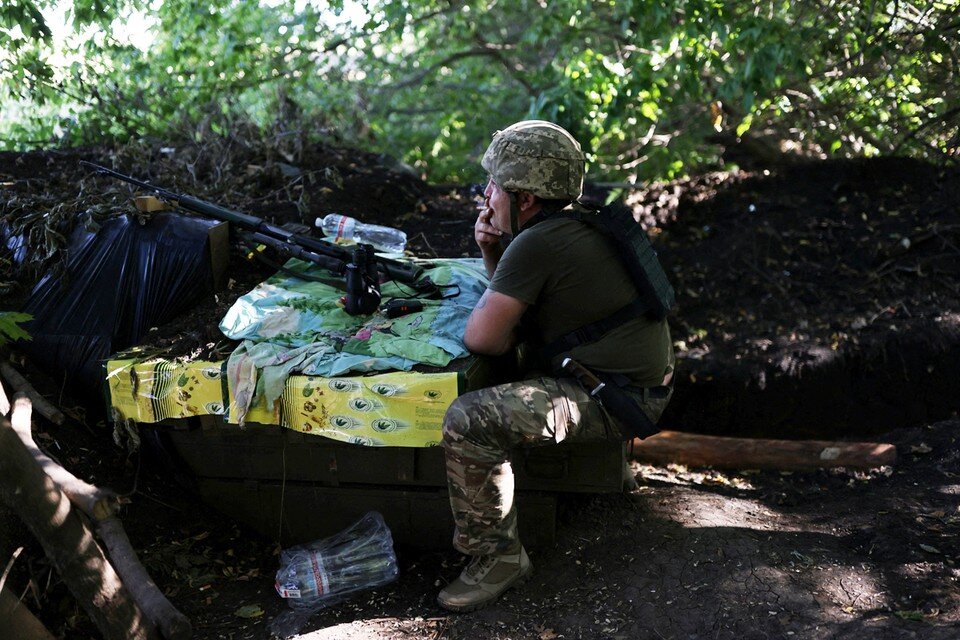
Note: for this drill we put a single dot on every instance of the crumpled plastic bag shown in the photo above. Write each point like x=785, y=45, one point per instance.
x=326, y=572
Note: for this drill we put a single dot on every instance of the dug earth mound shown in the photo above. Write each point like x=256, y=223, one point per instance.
x=815, y=299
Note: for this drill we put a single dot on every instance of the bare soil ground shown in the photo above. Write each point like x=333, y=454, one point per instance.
x=819, y=300
x=691, y=553
x=700, y=554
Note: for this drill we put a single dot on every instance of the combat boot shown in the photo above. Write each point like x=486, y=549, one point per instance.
x=484, y=580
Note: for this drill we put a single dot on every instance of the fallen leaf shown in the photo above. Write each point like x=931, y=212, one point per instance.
x=916, y=616
x=249, y=611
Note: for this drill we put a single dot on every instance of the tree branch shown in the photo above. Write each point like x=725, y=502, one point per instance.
x=66, y=540
x=100, y=506
x=932, y=121
x=16, y=621
x=21, y=384
x=4, y=402
x=507, y=64
x=453, y=57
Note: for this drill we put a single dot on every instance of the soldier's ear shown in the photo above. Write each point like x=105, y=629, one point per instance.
x=527, y=201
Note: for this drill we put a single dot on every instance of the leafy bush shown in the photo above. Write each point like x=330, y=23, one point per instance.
x=651, y=89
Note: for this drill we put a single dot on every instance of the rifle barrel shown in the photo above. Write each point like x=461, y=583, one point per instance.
x=392, y=269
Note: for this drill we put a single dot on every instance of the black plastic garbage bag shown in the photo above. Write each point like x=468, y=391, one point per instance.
x=117, y=283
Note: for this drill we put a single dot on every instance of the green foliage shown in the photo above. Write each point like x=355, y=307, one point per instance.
x=650, y=89
x=10, y=330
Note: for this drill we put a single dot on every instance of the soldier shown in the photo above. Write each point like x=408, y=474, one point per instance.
x=558, y=274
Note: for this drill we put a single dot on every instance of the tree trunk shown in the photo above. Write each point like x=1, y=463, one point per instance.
x=67, y=542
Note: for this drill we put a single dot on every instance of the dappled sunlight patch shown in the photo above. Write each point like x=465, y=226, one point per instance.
x=682, y=475
x=377, y=628
x=852, y=590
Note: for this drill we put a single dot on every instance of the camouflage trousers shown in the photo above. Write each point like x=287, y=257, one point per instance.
x=482, y=427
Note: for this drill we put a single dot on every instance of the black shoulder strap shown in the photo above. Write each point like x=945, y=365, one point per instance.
x=593, y=331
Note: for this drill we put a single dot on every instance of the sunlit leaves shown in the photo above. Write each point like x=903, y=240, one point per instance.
x=100, y=12
x=648, y=87
x=21, y=20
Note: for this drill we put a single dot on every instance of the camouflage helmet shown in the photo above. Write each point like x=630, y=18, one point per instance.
x=536, y=156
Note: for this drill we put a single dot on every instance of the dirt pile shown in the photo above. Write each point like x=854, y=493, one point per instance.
x=816, y=299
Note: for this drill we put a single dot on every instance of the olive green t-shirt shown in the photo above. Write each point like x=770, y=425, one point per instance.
x=571, y=275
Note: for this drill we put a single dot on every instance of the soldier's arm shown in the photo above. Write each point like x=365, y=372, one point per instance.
x=491, y=257
x=491, y=327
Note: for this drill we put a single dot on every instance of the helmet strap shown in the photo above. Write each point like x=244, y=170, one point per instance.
x=514, y=212
x=546, y=210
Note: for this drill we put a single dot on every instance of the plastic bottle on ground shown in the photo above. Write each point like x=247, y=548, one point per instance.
x=385, y=239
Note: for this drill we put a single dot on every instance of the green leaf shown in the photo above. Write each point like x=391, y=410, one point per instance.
x=9, y=329
x=249, y=611
x=613, y=196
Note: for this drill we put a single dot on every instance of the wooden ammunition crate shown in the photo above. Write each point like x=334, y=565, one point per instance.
x=305, y=487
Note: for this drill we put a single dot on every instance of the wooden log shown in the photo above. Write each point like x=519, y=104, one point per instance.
x=21, y=384
x=173, y=625
x=16, y=621
x=68, y=542
x=95, y=503
x=746, y=453
x=101, y=506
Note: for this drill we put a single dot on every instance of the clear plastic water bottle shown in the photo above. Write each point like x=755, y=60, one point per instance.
x=322, y=573
x=386, y=239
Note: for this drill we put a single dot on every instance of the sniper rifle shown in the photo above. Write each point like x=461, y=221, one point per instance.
x=255, y=230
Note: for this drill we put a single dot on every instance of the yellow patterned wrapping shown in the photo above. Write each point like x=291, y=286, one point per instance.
x=397, y=409
x=155, y=389
x=400, y=409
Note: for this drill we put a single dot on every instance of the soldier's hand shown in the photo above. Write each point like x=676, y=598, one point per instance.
x=486, y=235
